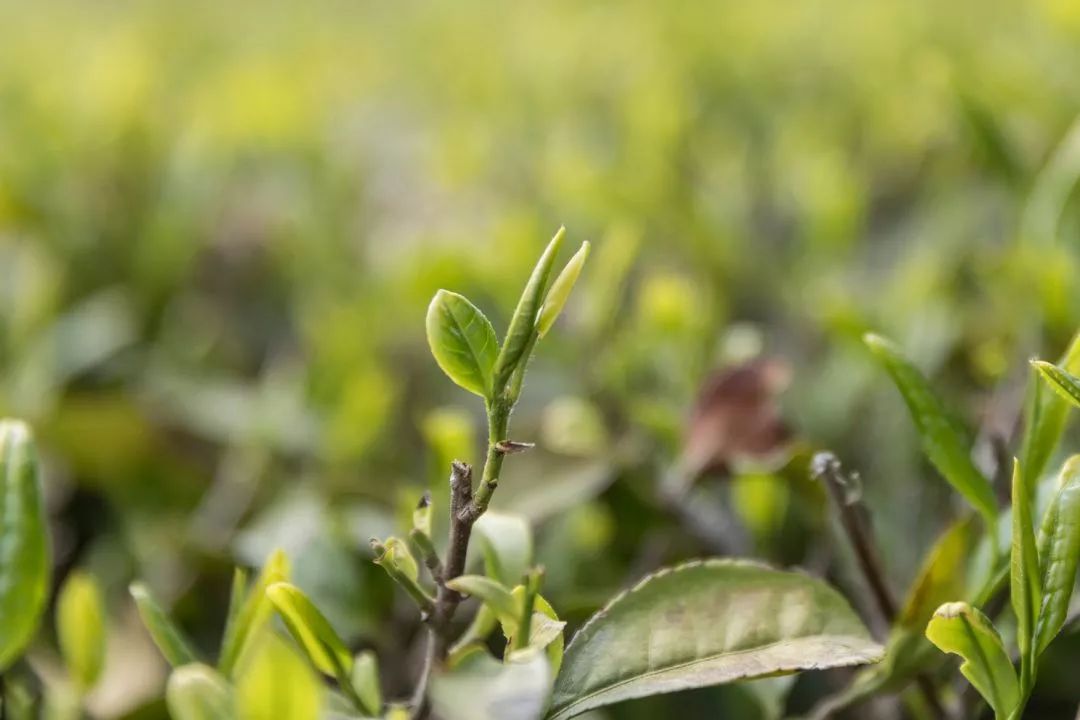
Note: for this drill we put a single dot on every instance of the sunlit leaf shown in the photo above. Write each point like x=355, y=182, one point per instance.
x=252, y=613
x=1062, y=381
x=198, y=692
x=311, y=630
x=24, y=541
x=522, y=330
x=560, y=290
x=961, y=629
x=1059, y=553
x=169, y=639
x=944, y=440
x=482, y=688
x=1045, y=413
x=707, y=623
x=462, y=341
x=80, y=628
x=274, y=682
x=365, y=680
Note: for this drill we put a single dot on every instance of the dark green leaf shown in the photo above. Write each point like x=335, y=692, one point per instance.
x=24, y=541
x=944, y=440
x=462, y=341
x=707, y=623
x=961, y=629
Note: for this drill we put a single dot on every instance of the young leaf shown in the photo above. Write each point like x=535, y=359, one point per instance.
x=706, y=623
x=545, y=630
x=462, y=341
x=80, y=628
x=252, y=613
x=961, y=629
x=24, y=541
x=1062, y=381
x=491, y=592
x=365, y=680
x=312, y=631
x=1025, y=584
x=520, y=334
x=274, y=682
x=507, y=544
x=560, y=290
x=944, y=441
x=481, y=688
x=1045, y=413
x=197, y=692
x=168, y=638
x=1059, y=553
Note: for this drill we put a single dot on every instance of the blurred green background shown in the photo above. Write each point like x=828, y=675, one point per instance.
x=220, y=226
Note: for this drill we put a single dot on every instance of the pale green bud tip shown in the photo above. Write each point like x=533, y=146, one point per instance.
x=560, y=290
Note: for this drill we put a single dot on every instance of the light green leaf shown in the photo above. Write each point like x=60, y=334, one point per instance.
x=943, y=575
x=312, y=631
x=961, y=629
x=1044, y=419
x=398, y=554
x=252, y=613
x=198, y=692
x=481, y=688
x=24, y=541
x=944, y=441
x=522, y=331
x=462, y=341
x=1059, y=553
x=560, y=290
x=1025, y=584
x=168, y=638
x=1062, y=381
x=274, y=682
x=365, y=680
x=545, y=630
x=507, y=543
x=706, y=623
x=80, y=628
x=492, y=593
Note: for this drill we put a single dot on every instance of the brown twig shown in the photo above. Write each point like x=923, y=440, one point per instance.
x=826, y=468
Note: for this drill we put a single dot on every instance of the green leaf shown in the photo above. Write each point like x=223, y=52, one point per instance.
x=560, y=290
x=1044, y=418
x=506, y=541
x=24, y=541
x=168, y=638
x=944, y=441
x=491, y=592
x=706, y=623
x=252, y=613
x=1025, y=584
x=961, y=629
x=312, y=631
x=462, y=341
x=198, y=692
x=365, y=680
x=80, y=628
x=522, y=331
x=1059, y=553
x=942, y=576
x=545, y=630
x=1062, y=381
x=274, y=682
x=481, y=688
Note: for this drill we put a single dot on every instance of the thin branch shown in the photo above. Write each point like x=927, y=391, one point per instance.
x=826, y=468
